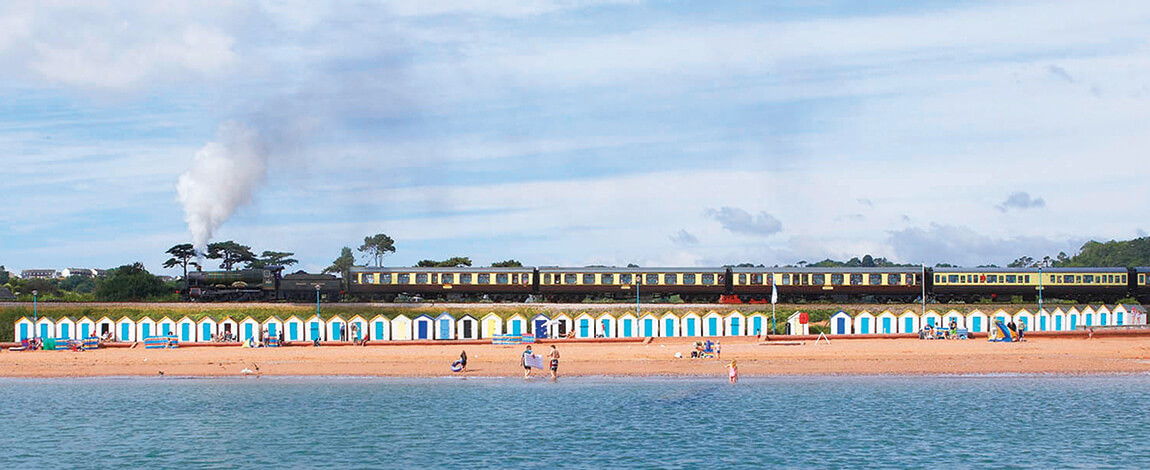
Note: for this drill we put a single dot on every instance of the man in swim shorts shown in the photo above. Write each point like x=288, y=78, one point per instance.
x=554, y=355
x=526, y=368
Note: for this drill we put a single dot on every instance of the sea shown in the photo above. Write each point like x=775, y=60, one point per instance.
x=578, y=422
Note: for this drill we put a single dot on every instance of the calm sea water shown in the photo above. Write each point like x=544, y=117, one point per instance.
x=577, y=422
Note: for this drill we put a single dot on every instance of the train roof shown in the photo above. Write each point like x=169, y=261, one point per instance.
x=603, y=269
x=465, y=269
x=1030, y=270
x=893, y=269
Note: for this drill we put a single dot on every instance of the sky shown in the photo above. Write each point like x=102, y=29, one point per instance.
x=572, y=132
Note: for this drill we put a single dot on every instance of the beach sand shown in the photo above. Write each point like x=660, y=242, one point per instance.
x=1038, y=355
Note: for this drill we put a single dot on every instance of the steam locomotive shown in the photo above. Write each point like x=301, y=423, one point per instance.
x=245, y=285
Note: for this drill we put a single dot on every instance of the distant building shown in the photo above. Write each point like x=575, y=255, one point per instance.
x=39, y=274
x=6, y=294
x=83, y=272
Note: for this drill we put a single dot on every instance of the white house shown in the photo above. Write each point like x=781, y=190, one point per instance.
x=516, y=325
x=931, y=318
x=561, y=326
x=797, y=327
x=401, y=328
x=230, y=327
x=758, y=324
x=106, y=325
x=314, y=329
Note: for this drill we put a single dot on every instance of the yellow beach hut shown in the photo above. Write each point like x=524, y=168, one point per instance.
x=669, y=325
x=492, y=325
x=908, y=322
x=186, y=330
x=1073, y=319
x=401, y=328
x=864, y=323
x=294, y=329
x=46, y=327
x=206, y=329
x=1058, y=320
x=712, y=324
x=649, y=325
x=516, y=325
x=1121, y=316
x=735, y=324
x=795, y=326
x=126, y=330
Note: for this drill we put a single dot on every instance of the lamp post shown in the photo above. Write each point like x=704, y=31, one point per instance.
x=317, y=302
x=1039, y=291
x=35, y=315
x=637, y=297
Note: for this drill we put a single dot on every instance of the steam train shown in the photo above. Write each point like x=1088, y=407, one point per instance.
x=695, y=285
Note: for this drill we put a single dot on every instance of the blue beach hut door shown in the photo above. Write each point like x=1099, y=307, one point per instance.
x=735, y=326
x=757, y=323
x=908, y=325
x=124, y=332
x=1073, y=322
x=1042, y=323
x=378, y=331
x=865, y=323
x=64, y=333
x=147, y=331
x=649, y=327
x=584, y=325
x=84, y=332
x=248, y=331
x=1088, y=318
x=976, y=324
x=422, y=330
x=186, y=332
x=627, y=328
x=1058, y=323
x=886, y=326
x=315, y=330
x=1102, y=317
x=445, y=329
x=541, y=328
x=713, y=326
x=293, y=331
x=23, y=331
x=669, y=327
x=690, y=327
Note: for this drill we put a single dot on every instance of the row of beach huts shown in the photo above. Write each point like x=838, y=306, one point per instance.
x=446, y=326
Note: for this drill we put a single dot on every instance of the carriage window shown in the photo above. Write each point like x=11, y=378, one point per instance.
x=953, y=278
x=385, y=278
x=421, y=278
x=446, y=278
x=483, y=278
x=588, y=278
x=837, y=279
x=607, y=278
x=742, y=279
x=403, y=278
x=856, y=279
x=756, y=279
x=708, y=279
x=937, y=278
x=570, y=278
x=875, y=279
x=992, y=279
x=652, y=279
x=465, y=278
x=1088, y=279
x=1069, y=279
x=893, y=279
x=1123, y=279
x=668, y=279
x=786, y=279
x=624, y=279
x=1027, y=280
x=818, y=279
x=501, y=278
x=1010, y=278
x=689, y=278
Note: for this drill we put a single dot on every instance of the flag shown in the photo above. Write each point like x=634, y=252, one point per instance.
x=774, y=294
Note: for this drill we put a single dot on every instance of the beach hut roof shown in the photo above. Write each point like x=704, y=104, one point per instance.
x=291, y=317
x=690, y=313
x=272, y=319
x=357, y=316
x=735, y=313
x=539, y=315
x=627, y=314
x=167, y=318
x=585, y=314
x=399, y=317
x=207, y=319
x=125, y=318
x=424, y=316
x=314, y=317
x=105, y=317
x=468, y=315
x=886, y=313
x=491, y=314
x=146, y=319
x=46, y=319
x=337, y=317
x=445, y=315
x=378, y=316
x=841, y=313
x=669, y=314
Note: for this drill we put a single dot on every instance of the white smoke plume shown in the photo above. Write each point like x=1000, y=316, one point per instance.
x=223, y=177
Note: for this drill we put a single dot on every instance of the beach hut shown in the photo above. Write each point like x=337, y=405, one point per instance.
x=379, y=328
x=106, y=326
x=691, y=325
x=229, y=327
x=539, y=326
x=146, y=328
x=1073, y=319
x=797, y=326
x=423, y=327
x=886, y=323
x=126, y=330
x=249, y=330
x=166, y=327
x=401, y=328
x=712, y=324
x=958, y=318
x=1120, y=315
x=977, y=322
x=649, y=325
x=628, y=325
x=24, y=329
x=1024, y=317
x=908, y=322
x=46, y=327
x=561, y=326
x=66, y=328
x=85, y=328
x=1058, y=320
x=491, y=325
x=1042, y=321
x=1089, y=317
x=605, y=326
x=186, y=330
x=1104, y=316
x=584, y=326
x=735, y=324
x=293, y=329
x=931, y=318
x=669, y=324
x=758, y=324
x=206, y=329
x=516, y=325
x=1000, y=315
x=357, y=328
x=273, y=327
x=314, y=329
x=337, y=329
x=445, y=326
x=467, y=327
x=841, y=323
x=864, y=323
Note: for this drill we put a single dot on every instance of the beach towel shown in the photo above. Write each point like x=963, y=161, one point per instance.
x=533, y=360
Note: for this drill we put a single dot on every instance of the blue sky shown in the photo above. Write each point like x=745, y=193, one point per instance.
x=575, y=132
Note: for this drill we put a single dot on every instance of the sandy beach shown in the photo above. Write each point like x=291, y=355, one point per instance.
x=1038, y=355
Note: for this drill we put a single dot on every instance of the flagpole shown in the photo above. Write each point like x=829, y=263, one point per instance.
x=774, y=300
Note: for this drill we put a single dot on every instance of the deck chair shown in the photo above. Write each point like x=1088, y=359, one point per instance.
x=25, y=345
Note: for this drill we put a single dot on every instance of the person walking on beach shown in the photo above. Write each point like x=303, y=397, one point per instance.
x=526, y=368
x=554, y=355
x=733, y=372
x=718, y=350
x=463, y=361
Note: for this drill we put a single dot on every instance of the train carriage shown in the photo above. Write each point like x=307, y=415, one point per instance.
x=877, y=284
x=510, y=284
x=973, y=284
x=575, y=284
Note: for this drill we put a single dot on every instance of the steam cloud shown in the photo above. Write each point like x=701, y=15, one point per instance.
x=223, y=177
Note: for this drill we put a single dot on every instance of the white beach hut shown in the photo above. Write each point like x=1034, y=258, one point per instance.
x=1105, y=318
x=274, y=327
x=561, y=326
x=25, y=328
x=1042, y=320
x=538, y=326
x=250, y=330
x=886, y=323
x=314, y=329
x=206, y=328
x=445, y=326
x=491, y=325
x=605, y=326
x=85, y=328
x=1073, y=319
x=379, y=328
x=691, y=325
x=401, y=328
x=126, y=330
x=976, y=322
x=1024, y=317
x=1121, y=316
x=648, y=325
x=166, y=327
x=669, y=324
x=584, y=325
x=735, y=324
x=931, y=318
x=228, y=326
x=146, y=328
x=712, y=324
x=841, y=323
x=796, y=326
x=954, y=315
x=337, y=329
x=908, y=322
x=1001, y=315
x=1089, y=317
x=66, y=328
x=105, y=326
x=864, y=323
x=628, y=325
x=516, y=325
x=467, y=327
x=758, y=324
x=186, y=330
x=1058, y=320
x=357, y=328
x=46, y=327
x=294, y=329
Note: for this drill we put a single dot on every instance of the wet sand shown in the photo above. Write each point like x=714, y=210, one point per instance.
x=1038, y=355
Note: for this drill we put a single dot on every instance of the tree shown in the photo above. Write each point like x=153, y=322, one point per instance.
x=342, y=265
x=376, y=247
x=507, y=264
x=182, y=255
x=453, y=262
x=230, y=254
x=3, y=275
x=1022, y=262
x=78, y=284
x=129, y=282
x=273, y=258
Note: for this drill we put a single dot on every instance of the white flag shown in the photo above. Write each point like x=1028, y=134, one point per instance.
x=774, y=294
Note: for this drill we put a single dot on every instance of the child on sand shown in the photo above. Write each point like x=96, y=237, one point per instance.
x=733, y=372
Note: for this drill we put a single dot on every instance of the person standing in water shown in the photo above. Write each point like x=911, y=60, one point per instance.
x=733, y=372
x=554, y=355
x=526, y=368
